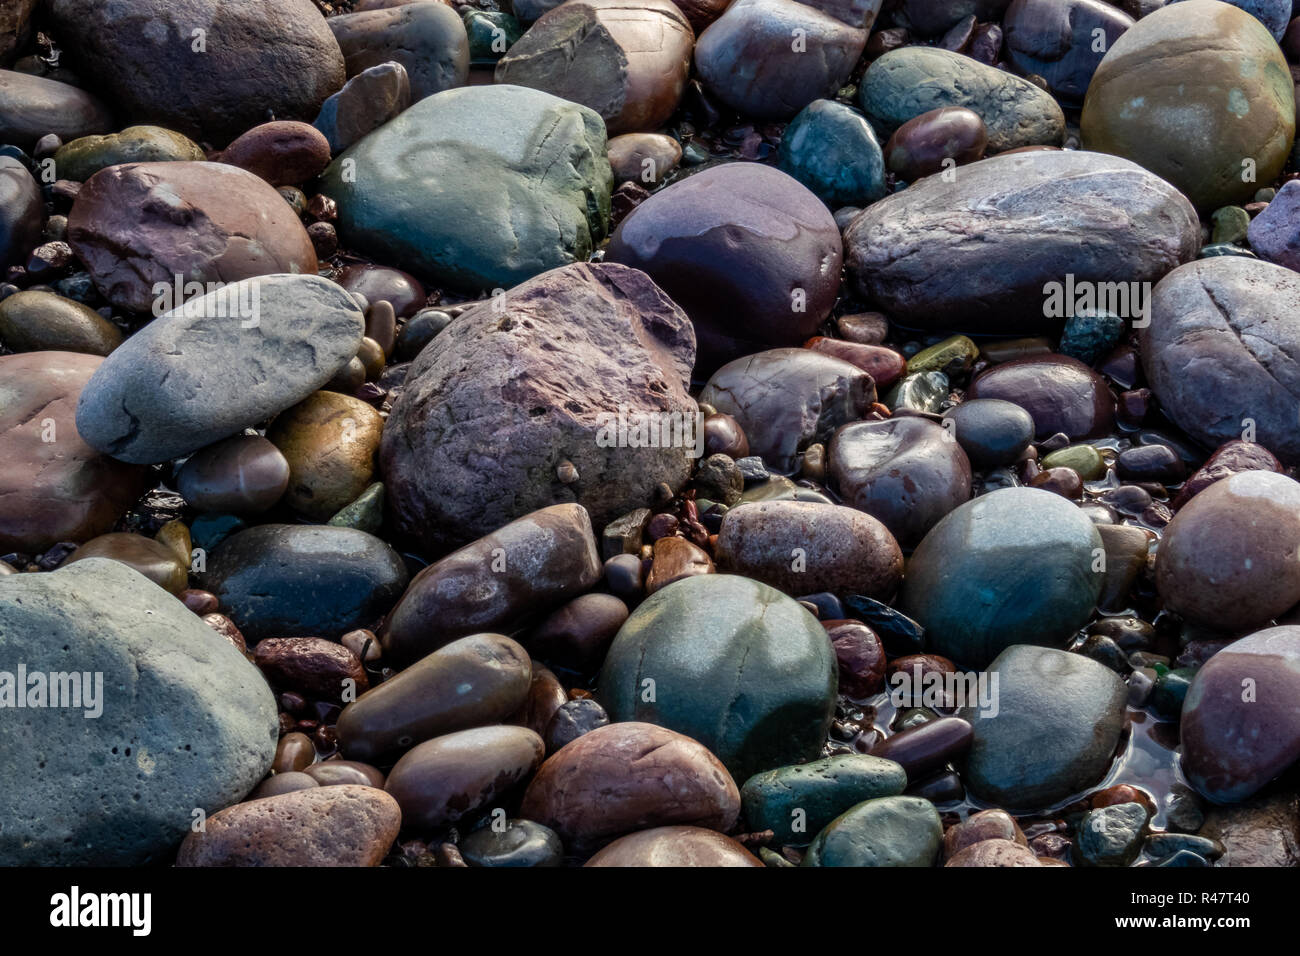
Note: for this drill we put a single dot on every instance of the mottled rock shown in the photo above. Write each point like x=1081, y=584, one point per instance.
x=87, y=155
x=330, y=442
x=427, y=39
x=833, y=150
x=284, y=153
x=797, y=802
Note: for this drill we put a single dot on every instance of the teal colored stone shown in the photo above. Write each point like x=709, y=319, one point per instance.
x=1058, y=720
x=737, y=665
x=797, y=802
x=1110, y=836
x=478, y=188
x=1229, y=224
x=1170, y=691
x=951, y=357
x=1224, y=249
x=832, y=150
x=923, y=392
x=209, y=530
x=890, y=831
x=491, y=33
x=1090, y=335
x=1015, y=566
x=1084, y=459
x=366, y=513
x=1162, y=845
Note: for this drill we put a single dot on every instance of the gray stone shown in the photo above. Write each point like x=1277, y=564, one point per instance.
x=187, y=723
x=907, y=82
x=32, y=106
x=478, y=188
x=366, y=102
x=889, y=831
x=428, y=39
x=542, y=373
x=21, y=211
x=1111, y=836
x=1058, y=721
x=197, y=374
x=977, y=253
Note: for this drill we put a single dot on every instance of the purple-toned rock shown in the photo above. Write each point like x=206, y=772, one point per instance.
x=33, y=106
x=787, y=399
x=59, y=489
x=401, y=290
x=320, y=826
x=1060, y=393
x=139, y=225
x=21, y=212
x=1220, y=352
x=1275, y=233
x=749, y=252
x=770, y=58
x=284, y=153
x=1232, y=458
x=905, y=472
x=495, y=584
x=576, y=377
x=1241, y=718
x=252, y=58
x=1230, y=559
x=934, y=141
x=978, y=251
x=1062, y=41
x=805, y=547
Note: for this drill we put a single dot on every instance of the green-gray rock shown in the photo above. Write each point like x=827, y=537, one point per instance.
x=1016, y=566
x=1230, y=224
x=1111, y=836
x=479, y=187
x=366, y=513
x=1084, y=459
x=832, y=150
x=737, y=665
x=1058, y=719
x=797, y=802
x=186, y=723
x=891, y=831
x=907, y=82
x=82, y=158
x=922, y=392
x=35, y=321
x=491, y=34
x=951, y=356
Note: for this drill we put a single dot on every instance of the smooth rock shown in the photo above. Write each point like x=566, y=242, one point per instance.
x=367, y=101
x=149, y=558
x=1061, y=394
x=33, y=106
x=935, y=141
x=994, y=852
x=284, y=153
x=522, y=843
x=991, y=432
x=428, y=39
x=318, y=669
x=799, y=801
x=34, y=321
x=1063, y=41
x=833, y=150
x=87, y=155
x=22, y=210
x=1015, y=566
x=674, y=847
x=887, y=831
x=330, y=442
x=644, y=158
x=244, y=474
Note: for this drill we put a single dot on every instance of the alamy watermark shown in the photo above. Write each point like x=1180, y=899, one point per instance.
x=76, y=690
x=1128, y=300
x=937, y=690
x=216, y=300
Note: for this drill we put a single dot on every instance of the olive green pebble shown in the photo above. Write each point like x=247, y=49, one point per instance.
x=365, y=512
x=1086, y=460
x=35, y=321
x=1230, y=224
x=951, y=356
x=1267, y=194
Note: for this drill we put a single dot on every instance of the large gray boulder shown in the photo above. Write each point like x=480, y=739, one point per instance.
x=186, y=723
x=477, y=188
x=517, y=387
x=210, y=69
x=218, y=364
x=977, y=252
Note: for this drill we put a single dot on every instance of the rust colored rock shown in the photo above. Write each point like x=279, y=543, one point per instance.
x=284, y=152
x=674, y=846
x=227, y=629
x=313, y=666
x=884, y=365
x=626, y=59
x=151, y=558
x=1230, y=459
x=674, y=559
x=543, y=373
x=295, y=751
x=444, y=779
x=545, y=696
x=499, y=582
x=321, y=826
x=804, y=547
x=61, y=489
x=995, y=852
x=140, y=224
x=614, y=780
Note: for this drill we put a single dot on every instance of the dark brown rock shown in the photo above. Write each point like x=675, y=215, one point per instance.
x=151, y=558
x=884, y=365
x=1230, y=459
x=284, y=153
x=58, y=490
x=860, y=655
x=313, y=666
x=674, y=559
x=245, y=474
x=322, y=826
x=333, y=773
x=256, y=57
x=544, y=372
x=140, y=224
x=399, y=289
x=474, y=681
x=940, y=139
x=498, y=583
x=994, y=852
x=444, y=779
